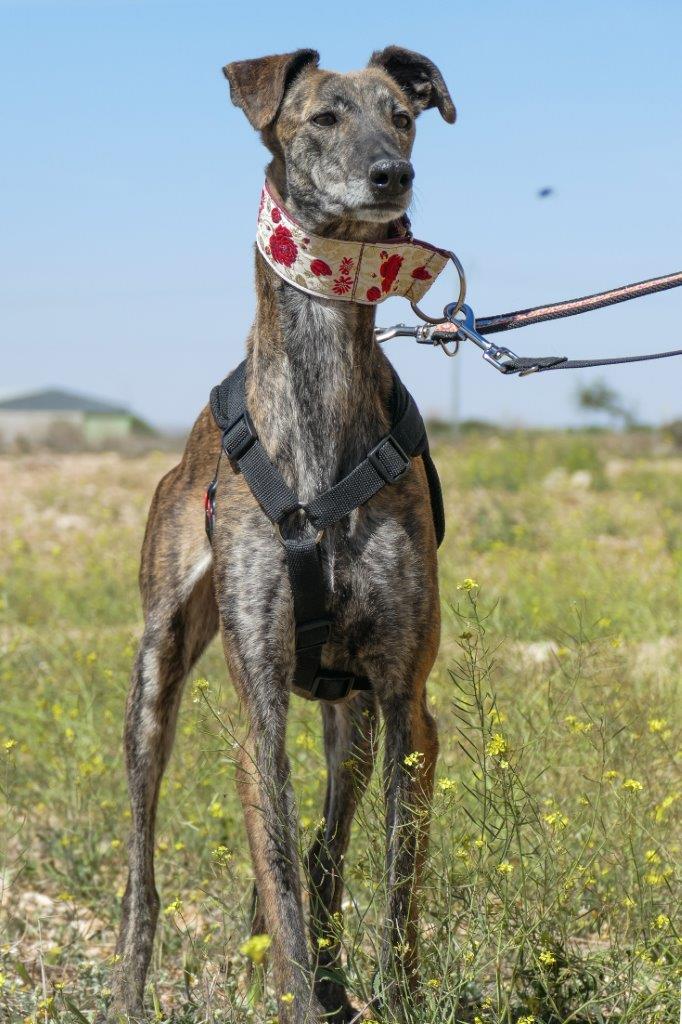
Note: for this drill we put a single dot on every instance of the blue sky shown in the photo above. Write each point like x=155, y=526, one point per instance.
x=129, y=186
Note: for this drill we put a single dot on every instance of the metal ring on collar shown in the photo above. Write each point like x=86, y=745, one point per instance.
x=460, y=299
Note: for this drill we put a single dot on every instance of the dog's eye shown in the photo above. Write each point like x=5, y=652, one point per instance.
x=325, y=120
x=402, y=121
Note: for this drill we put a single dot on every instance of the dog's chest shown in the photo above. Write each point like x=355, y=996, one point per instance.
x=323, y=414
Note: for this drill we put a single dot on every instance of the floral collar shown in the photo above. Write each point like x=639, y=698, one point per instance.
x=366, y=272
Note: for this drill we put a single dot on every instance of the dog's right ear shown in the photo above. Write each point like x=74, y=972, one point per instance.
x=258, y=86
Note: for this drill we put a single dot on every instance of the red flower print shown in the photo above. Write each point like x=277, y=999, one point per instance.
x=320, y=268
x=373, y=294
x=346, y=265
x=389, y=271
x=282, y=246
x=342, y=284
x=421, y=274
x=276, y=215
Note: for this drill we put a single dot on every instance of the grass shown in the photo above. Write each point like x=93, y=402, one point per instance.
x=551, y=893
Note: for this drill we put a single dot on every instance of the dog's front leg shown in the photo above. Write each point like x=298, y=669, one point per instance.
x=410, y=761
x=264, y=784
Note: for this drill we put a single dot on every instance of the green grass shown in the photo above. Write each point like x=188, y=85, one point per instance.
x=551, y=890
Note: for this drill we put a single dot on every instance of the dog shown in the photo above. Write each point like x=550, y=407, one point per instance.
x=318, y=389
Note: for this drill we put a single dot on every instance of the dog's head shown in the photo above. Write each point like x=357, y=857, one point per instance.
x=341, y=143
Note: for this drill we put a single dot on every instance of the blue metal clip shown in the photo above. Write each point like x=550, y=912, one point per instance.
x=503, y=359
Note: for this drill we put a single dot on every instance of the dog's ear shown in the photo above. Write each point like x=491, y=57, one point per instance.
x=258, y=86
x=418, y=77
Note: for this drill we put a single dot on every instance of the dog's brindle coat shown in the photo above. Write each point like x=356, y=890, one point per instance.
x=318, y=388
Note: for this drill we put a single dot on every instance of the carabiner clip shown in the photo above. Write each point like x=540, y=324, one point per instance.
x=503, y=359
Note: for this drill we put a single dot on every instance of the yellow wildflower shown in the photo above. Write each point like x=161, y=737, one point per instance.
x=9, y=745
x=414, y=760
x=468, y=584
x=657, y=724
x=661, y=810
x=634, y=785
x=575, y=725
x=433, y=982
x=256, y=947
x=288, y=997
x=222, y=855
x=200, y=689
x=323, y=943
x=447, y=785
x=505, y=868
x=173, y=908
x=547, y=958
x=497, y=745
x=662, y=921
x=556, y=820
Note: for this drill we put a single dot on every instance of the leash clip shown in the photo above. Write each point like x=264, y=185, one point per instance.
x=502, y=358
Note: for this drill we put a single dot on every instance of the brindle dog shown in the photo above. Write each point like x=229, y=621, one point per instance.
x=318, y=388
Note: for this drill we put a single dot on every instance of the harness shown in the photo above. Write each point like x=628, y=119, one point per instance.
x=388, y=461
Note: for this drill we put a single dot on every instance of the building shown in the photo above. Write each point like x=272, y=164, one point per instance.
x=61, y=417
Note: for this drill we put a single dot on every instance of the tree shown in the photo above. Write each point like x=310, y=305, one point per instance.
x=599, y=397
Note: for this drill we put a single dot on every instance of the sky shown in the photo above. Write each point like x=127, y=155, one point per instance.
x=129, y=187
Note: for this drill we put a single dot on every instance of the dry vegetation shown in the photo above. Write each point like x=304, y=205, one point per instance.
x=551, y=893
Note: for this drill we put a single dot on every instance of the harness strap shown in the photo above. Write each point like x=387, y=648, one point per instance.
x=241, y=444
x=387, y=462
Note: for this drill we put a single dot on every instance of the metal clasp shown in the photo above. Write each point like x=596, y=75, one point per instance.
x=502, y=358
x=423, y=334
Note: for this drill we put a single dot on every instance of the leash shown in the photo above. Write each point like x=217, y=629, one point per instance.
x=459, y=323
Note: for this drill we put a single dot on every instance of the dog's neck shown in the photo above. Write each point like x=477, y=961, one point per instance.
x=317, y=380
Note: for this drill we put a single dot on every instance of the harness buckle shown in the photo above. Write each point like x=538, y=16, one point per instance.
x=313, y=634
x=239, y=437
x=326, y=676
x=382, y=457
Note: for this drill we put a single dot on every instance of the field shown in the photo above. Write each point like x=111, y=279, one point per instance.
x=551, y=891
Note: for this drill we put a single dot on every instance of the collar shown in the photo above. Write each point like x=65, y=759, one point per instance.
x=365, y=272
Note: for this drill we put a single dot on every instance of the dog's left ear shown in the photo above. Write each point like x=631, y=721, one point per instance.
x=418, y=77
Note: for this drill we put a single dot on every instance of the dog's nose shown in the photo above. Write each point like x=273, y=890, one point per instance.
x=391, y=177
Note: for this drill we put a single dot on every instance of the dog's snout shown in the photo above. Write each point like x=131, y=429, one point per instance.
x=391, y=177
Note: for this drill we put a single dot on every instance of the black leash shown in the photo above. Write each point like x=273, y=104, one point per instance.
x=456, y=328
x=300, y=527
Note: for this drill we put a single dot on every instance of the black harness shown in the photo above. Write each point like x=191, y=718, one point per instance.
x=387, y=462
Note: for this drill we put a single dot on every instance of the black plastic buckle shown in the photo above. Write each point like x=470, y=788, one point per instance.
x=345, y=681
x=381, y=467
x=313, y=634
x=239, y=437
